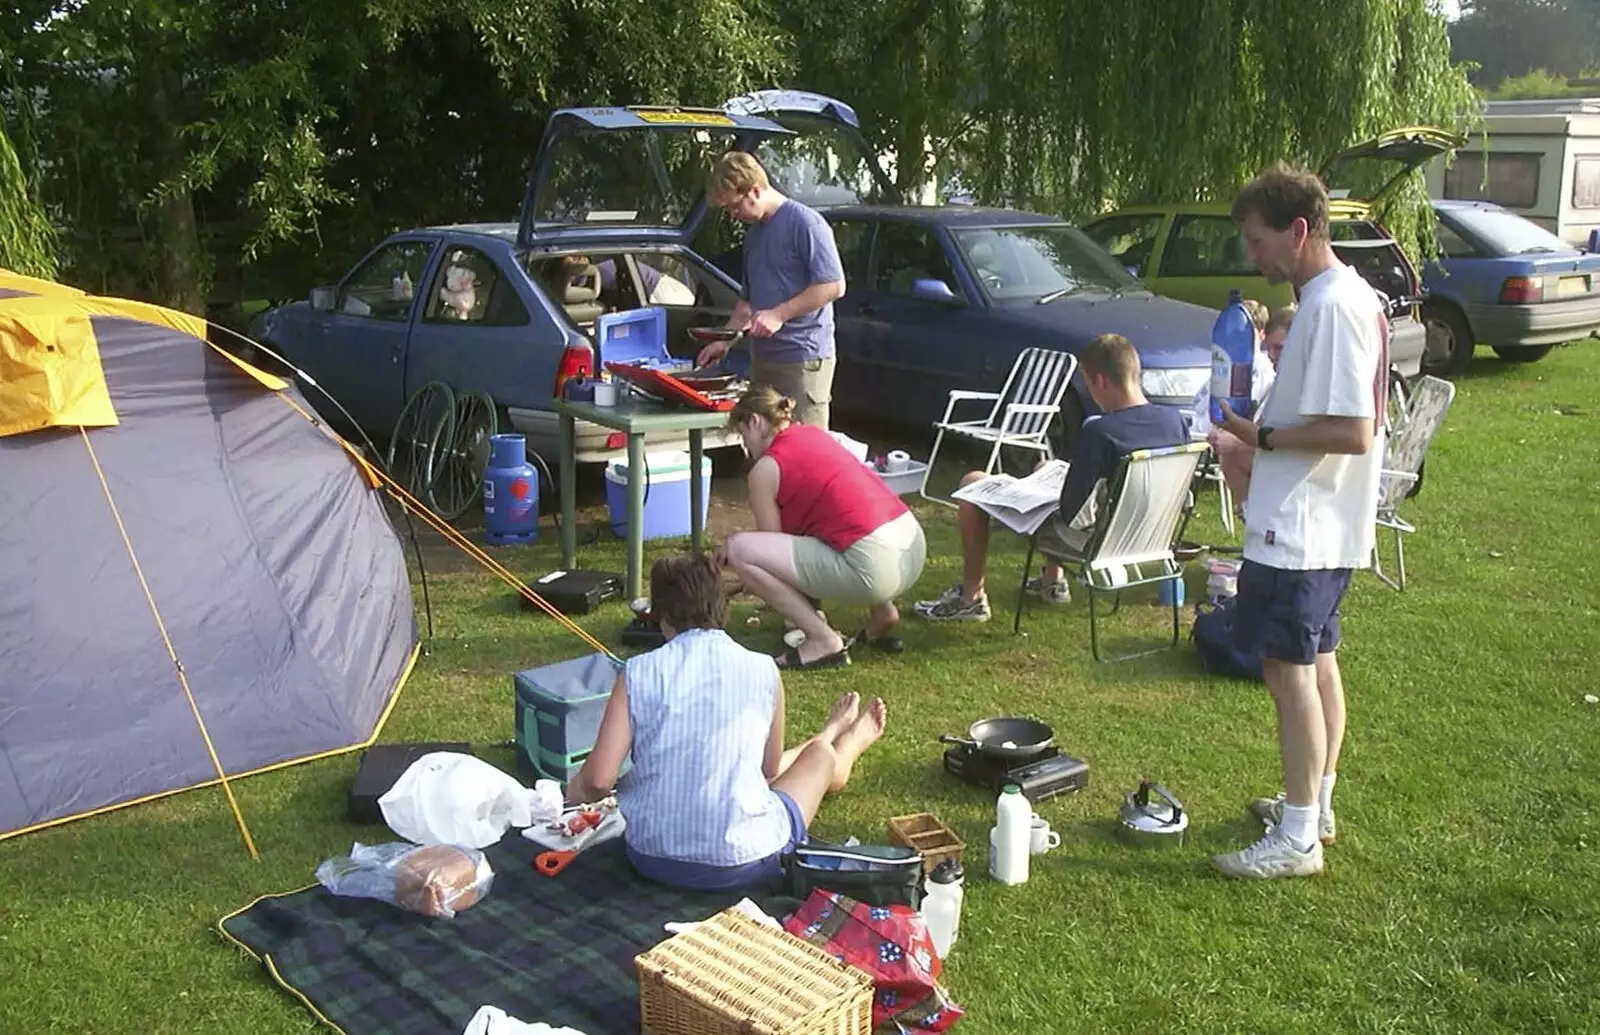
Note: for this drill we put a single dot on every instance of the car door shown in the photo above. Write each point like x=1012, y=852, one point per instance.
x=917, y=347
x=487, y=338
x=1128, y=237
x=1203, y=259
x=361, y=359
x=853, y=324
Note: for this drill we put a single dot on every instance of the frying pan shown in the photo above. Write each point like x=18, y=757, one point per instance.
x=1007, y=738
x=707, y=335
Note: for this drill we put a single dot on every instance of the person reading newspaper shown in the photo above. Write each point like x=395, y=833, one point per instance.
x=1127, y=422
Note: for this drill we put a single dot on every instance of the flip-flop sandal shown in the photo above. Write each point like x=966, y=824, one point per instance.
x=789, y=660
x=888, y=644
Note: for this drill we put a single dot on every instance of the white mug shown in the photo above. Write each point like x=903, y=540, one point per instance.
x=605, y=394
x=1041, y=838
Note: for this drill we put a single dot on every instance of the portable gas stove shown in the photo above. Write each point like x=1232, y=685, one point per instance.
x=1040, y=776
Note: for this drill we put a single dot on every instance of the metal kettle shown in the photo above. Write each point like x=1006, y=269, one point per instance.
x=1152, y=817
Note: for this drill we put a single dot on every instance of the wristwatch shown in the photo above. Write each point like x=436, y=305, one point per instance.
x=1263, y=442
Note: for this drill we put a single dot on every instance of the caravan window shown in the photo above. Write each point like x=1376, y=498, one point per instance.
x=1586, y=182
x=1512, y=181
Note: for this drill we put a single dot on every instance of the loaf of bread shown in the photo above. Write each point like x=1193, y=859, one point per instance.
x=437, y=880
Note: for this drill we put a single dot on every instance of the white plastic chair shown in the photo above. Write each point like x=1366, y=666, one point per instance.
x=1134, y=537
x=1020, y=414
x=1430, y=398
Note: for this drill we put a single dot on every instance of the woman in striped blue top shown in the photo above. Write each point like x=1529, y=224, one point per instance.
x=713, y=800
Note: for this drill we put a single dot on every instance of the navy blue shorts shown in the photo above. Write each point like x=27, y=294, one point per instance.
x=1293, y=614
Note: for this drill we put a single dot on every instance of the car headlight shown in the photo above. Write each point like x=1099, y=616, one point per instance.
x=1174, y=382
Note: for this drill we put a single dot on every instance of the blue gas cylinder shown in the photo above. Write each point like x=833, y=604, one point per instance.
x=1233, y=350
x=510, y=493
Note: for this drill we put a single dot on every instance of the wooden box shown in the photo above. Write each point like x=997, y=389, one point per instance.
x=925, y=833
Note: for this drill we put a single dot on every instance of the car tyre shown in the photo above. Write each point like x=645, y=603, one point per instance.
x=1446, y=324
x=1522, y=353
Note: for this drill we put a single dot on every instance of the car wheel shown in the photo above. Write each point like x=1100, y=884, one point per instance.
x=1522, y=353
x=1450, y=345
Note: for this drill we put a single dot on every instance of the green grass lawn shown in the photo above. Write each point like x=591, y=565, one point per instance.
x=1462, y=895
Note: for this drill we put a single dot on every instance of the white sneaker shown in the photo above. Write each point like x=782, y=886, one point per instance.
x=1271, y=857
x=1270, y=812
x=1056, y=592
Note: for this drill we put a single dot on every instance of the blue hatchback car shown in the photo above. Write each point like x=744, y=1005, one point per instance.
x=1506, y=282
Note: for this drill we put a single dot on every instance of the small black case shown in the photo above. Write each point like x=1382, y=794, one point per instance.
x=575, y=592
x=381, y=765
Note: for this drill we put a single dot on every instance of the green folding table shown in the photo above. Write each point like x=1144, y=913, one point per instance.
x=635, y=418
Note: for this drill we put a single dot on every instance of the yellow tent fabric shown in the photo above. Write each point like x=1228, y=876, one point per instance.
x=50, y=372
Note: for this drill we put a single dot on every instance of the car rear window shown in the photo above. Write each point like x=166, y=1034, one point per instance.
x=1498, y=232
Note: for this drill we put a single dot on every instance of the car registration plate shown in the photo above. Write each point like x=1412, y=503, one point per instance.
x=1566, y=287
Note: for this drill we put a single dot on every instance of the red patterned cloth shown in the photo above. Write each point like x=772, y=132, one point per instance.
x=892, y=944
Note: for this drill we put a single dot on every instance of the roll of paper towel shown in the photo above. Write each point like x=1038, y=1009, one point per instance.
x=897, y=461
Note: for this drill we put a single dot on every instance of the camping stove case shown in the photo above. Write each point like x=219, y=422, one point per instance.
x=1042, y=776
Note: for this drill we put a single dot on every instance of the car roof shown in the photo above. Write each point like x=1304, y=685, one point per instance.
x=944, y=215
x=500, y=231
x=1338, y=210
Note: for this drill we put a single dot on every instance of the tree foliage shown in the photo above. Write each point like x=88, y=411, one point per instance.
x=1507, y=39
x=194, y=149
x=27, y=240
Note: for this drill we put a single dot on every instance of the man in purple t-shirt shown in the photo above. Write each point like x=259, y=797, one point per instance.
x=792, y=275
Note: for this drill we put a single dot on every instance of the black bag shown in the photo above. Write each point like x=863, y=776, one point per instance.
x=878, y=875
x=1224, y=648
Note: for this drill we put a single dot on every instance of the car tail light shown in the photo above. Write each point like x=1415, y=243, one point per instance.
x=577, y=360
x=1521, y=290
x=616, y=440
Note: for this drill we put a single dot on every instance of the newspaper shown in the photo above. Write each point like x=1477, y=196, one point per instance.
x=1021, y=504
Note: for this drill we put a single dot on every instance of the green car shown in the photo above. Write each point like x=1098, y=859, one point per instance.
x=1193, y=251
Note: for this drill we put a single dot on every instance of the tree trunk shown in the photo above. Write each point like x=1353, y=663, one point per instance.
x=179, y=261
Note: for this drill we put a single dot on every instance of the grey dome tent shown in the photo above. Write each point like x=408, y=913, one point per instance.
x=197, y=580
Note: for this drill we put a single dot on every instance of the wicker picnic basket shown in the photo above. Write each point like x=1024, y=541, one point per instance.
x=733, y=976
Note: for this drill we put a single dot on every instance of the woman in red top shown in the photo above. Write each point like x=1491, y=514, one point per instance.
x=829, y=529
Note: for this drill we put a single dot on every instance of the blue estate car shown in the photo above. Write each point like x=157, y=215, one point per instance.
x=1506, y=282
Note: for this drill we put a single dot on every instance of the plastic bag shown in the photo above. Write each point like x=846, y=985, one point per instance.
x=447, y=798
x=892, y=944
x=491, y=1020
x=434, y=880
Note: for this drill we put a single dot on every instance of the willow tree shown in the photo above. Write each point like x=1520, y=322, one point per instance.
x=1074, y=106
x=27, y=241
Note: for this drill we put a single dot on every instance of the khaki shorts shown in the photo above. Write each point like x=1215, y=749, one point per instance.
x=873, y=570
x=809, y=383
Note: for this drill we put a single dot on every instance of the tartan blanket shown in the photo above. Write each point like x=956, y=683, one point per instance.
x=553, y=949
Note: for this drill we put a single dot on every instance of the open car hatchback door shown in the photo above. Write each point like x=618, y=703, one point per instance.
x=826, y=160
x=1360, y=177
x=629, y=175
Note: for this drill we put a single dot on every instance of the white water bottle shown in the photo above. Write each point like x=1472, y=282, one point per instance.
x=941, y=905
x=1008, y=841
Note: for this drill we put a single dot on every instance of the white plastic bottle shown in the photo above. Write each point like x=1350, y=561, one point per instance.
x=1008, y=849
x=941, y=905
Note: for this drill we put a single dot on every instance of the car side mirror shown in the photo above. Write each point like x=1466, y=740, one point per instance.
x=322, y=299
x=932, y=290
x=1133, y=271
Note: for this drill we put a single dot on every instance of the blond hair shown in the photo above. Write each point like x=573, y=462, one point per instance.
x=1281, y=318
x=1258, y=314
x=735, y=173
x=761, y=400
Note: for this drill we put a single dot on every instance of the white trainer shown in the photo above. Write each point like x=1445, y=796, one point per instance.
x=1270, y=812
x=1271, y=857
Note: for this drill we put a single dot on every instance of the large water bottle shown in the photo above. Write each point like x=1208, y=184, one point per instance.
x=1233, y=350
x=941, y=905
x=510, y=493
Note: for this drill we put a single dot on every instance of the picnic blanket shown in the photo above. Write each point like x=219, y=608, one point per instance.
x=558, y=950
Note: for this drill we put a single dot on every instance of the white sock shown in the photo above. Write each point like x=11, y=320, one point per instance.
x=1325, y=796
x=1300, y=825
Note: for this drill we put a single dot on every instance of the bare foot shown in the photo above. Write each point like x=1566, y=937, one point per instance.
x=866, y=730
x=841, y=716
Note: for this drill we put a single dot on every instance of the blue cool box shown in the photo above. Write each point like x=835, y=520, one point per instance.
x=666, y=495
x=637, y=336
x=558, y=707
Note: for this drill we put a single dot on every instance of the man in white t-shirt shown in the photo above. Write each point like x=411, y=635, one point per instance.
x=1309, y=513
